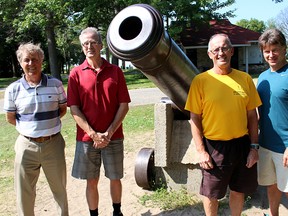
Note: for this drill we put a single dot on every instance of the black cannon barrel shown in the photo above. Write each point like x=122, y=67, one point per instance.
x=137, y=34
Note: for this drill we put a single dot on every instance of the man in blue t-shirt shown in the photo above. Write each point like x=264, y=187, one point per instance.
x=273, y=139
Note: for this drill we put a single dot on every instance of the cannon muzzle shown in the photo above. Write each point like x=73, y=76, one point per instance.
x=137, y=34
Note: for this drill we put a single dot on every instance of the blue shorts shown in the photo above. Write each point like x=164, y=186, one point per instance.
x=229, y=160
x=87, y=160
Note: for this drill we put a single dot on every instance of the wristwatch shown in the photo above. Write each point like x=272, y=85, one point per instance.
x=254, y=146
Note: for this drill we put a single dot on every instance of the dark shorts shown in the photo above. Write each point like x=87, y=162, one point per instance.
x=229, y=159
x=87, y=160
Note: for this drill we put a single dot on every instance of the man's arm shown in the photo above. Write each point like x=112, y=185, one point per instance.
x=81, y=120
x=62, y=109
x=11, y=118
x=253, y=125
x=253, y=133
x=119, y=117
x=197, y=132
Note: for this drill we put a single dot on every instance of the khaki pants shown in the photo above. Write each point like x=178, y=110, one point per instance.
x=30, y=157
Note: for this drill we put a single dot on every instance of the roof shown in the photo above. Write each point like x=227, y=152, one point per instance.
x=238, y=35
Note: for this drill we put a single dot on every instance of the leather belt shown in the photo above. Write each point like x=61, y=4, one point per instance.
x=41, y=139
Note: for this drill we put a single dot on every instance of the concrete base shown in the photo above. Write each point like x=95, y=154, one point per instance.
x=178, y=176
x=175, y=153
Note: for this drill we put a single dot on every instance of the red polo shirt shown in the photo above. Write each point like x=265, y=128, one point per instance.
x=98, y=95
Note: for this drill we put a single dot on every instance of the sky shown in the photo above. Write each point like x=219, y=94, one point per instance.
x=262, y=10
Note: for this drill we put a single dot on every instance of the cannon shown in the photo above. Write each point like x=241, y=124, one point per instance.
x=137, y=34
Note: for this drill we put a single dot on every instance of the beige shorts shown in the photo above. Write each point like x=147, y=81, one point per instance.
x=271, y=169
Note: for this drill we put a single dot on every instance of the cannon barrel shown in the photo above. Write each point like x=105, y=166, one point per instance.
x=137, y=34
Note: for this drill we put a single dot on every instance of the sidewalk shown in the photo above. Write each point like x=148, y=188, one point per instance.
x=145, y=96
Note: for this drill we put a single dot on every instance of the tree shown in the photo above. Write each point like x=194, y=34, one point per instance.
x=252, y=24
x=45, y=16
x=8, y=43
x=181, y=12
x=282, y=21
x=99, y=14
x=271, y=23
x=184, y=13
x=56, y=24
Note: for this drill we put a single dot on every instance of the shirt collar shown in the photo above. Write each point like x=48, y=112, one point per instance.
x=43, y=81
x=87, y=66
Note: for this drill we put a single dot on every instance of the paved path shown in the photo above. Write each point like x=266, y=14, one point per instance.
x=138, y=97
x=145, y=96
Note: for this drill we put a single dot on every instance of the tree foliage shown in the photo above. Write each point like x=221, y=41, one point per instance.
x=184, y=13
x=252, y=24
x=56, y=24
x=46, y=17
x=282, y=21
x=271, y=23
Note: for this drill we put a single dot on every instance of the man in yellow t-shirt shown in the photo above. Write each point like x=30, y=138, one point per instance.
x=222, y=103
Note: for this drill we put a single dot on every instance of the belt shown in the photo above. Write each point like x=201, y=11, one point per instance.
x=41, y=139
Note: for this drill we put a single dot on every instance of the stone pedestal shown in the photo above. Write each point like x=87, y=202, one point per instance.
x=175, y=153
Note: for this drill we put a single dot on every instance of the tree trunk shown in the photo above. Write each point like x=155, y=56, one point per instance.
x=107, y=51
x=123, y=65
x=55, y=67
x=15, y=67
x=115, y=60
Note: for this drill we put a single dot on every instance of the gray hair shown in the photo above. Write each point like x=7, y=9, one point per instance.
x=219, y=34
x=30, y=48
x=92, y=30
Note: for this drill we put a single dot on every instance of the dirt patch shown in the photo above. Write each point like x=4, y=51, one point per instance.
x=45, y=205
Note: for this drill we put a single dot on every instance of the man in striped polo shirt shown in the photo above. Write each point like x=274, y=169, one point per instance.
x=34, y=104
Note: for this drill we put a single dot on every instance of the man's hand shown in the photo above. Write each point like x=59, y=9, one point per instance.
x=252, y=158
x=101, y=140
x=205, y=160
x=285, y=158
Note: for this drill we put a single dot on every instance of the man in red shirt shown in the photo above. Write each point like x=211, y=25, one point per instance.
x=98, y=99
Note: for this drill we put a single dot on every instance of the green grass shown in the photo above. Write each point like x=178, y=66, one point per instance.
x=8, y=135
x=7, y=182
x=4, y=82
x=168, y=200
x=68, y=130
x=135, y=79
x=139, y=119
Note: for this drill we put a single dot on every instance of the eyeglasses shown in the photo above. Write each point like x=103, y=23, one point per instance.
x=223, y=49
x=87, y=43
